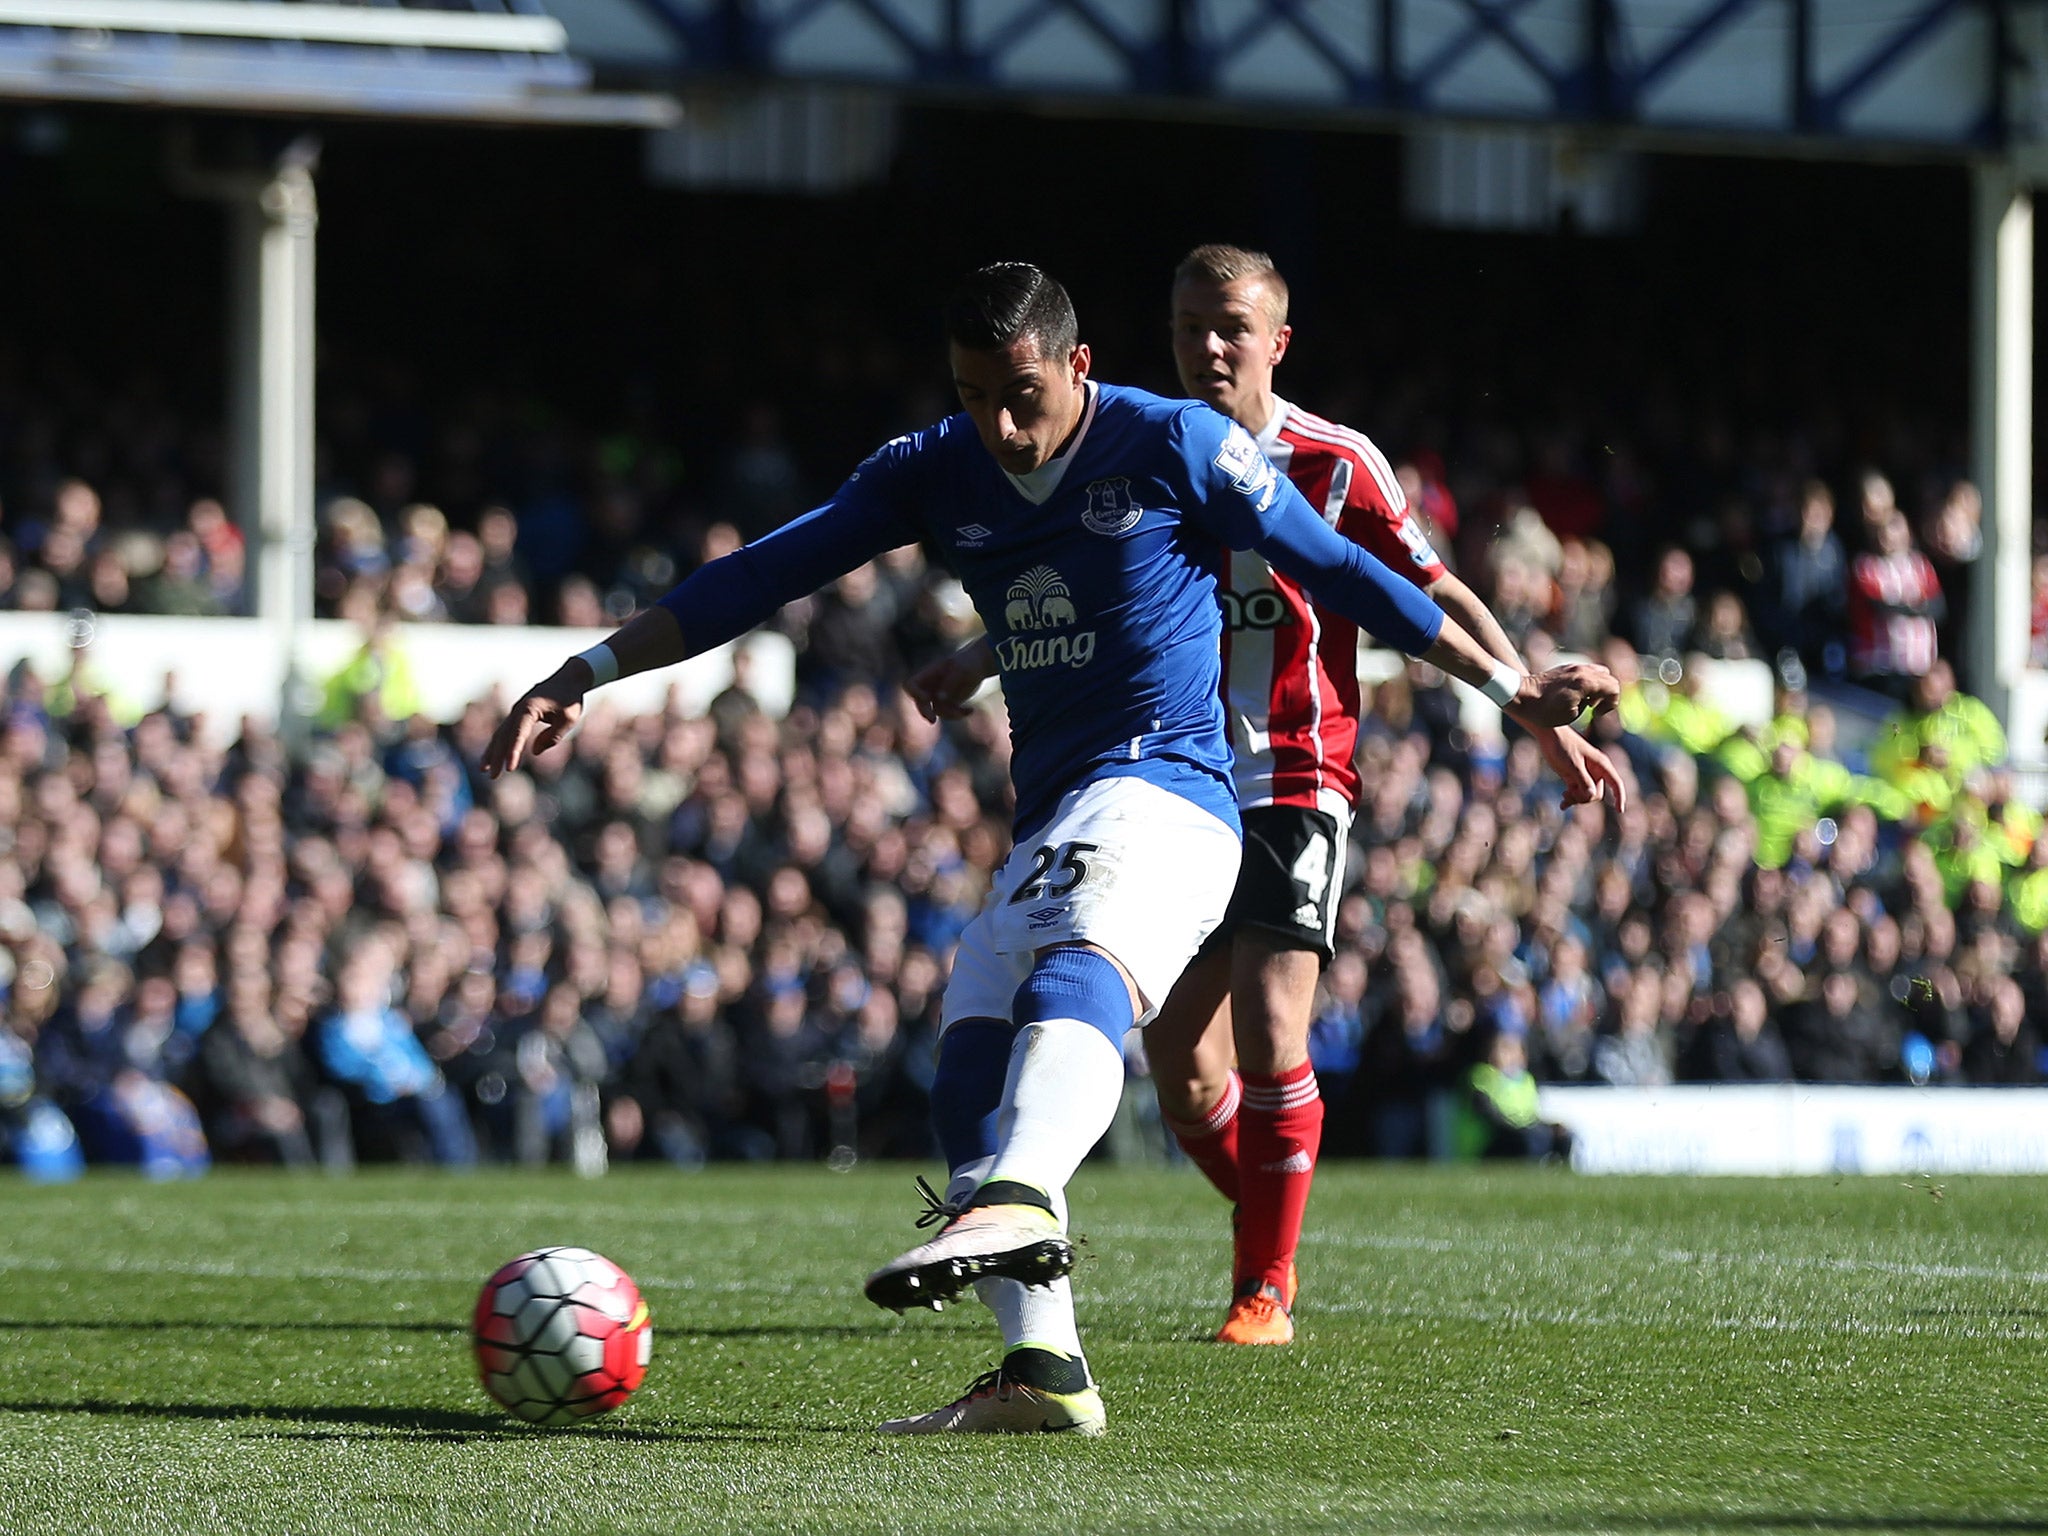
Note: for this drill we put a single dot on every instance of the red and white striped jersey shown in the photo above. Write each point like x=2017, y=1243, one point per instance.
x=1290, y=669
x=1894, y=601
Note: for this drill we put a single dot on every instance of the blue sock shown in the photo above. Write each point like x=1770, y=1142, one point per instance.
x=967, y=1088
x=1075, y=983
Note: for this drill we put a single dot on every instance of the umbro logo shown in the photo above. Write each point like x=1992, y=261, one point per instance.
x=971, y=537
x=1045, y=917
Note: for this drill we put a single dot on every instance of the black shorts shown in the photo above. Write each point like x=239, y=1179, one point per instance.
x=1291, y=878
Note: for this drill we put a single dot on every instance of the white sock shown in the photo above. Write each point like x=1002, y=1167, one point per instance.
x=967, y=1178
x=1039, y=1315
x=1064, y=1085
x=1066, y=1081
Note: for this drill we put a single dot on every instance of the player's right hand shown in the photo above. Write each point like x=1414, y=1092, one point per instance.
x=945, y=689
x=1561, y=695
x=1587, y=772
x=546, y=715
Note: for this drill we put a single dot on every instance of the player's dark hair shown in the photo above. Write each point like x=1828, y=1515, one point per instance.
x=996, y=305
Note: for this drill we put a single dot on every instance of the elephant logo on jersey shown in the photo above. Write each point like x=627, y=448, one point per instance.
x=1110, y=508
x=1040, y=599
x=1249, y=470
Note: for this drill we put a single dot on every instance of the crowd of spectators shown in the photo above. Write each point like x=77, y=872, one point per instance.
x=1874, y=612
x=1760, y=912
x=710, y=937
x=725, y=937
x=491, y=509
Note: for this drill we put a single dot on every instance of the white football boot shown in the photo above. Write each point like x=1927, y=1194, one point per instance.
x=999, y=1404
x=1002, y=1239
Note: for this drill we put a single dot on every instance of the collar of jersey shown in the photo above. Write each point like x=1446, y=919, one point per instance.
x=1269, y=435
x=1037, y=486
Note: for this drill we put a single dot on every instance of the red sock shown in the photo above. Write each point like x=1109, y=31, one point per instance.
x=1212, y=1145
x=1283, y=1130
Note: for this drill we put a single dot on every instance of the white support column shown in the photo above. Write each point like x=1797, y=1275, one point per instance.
x=2002, y=429
x=272, y=216
x=272, y=388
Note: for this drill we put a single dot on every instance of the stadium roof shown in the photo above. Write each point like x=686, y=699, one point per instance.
x=1938, y=74
x=1935, y=74
x=490, y=60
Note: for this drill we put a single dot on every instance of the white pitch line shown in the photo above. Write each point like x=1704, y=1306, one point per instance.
x=1608, y=1253
x=1631, y=1252
x=1663, y=1258
x=1511, y=1315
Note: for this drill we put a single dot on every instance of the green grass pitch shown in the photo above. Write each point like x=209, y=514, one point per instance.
x=1521, y=1351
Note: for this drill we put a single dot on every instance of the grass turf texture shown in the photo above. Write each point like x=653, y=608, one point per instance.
x=1488, y=1352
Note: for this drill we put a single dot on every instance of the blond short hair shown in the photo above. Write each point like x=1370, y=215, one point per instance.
x=1231, y=263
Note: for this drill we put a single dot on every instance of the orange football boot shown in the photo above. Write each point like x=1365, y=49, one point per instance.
x=1259, y=1316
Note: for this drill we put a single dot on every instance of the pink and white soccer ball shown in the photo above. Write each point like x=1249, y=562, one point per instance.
x=561, y=1336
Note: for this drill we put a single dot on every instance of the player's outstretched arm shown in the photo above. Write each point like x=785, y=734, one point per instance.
x=719, y=602
x=1241, y=496
x=1264, y=511
x=549, y=710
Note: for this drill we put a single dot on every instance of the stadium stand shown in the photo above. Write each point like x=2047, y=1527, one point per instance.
x=723, y=935
x=435, y=518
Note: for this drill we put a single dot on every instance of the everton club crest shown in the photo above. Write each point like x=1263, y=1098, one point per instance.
x=1110, y=508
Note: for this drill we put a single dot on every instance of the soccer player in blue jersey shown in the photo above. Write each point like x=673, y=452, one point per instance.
x=1081, y=518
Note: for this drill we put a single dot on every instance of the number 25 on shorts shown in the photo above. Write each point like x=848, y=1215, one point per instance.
x=1065, y=862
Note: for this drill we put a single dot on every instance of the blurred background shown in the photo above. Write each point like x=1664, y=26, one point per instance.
x=359, y=361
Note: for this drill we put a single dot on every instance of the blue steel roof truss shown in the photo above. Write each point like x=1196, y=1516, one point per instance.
x=1365, y=87
x=1494, y=20
x=1177, y=50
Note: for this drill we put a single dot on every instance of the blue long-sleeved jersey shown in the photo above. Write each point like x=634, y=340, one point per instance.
x=1094, y=576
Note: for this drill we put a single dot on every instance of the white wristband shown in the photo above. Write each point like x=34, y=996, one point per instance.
x=604, y=666
x=1504, y=685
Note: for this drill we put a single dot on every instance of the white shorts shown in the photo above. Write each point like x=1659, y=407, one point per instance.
x=1134, y=869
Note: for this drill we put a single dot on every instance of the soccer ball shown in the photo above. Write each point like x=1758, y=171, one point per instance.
x=561, y=1336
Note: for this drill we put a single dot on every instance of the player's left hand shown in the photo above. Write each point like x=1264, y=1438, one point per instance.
x=545, y=716
x=1588, y=773
x=945, y=689
x=1561, y=695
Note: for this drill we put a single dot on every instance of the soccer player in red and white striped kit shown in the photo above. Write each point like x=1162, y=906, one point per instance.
x=1229, y=1050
